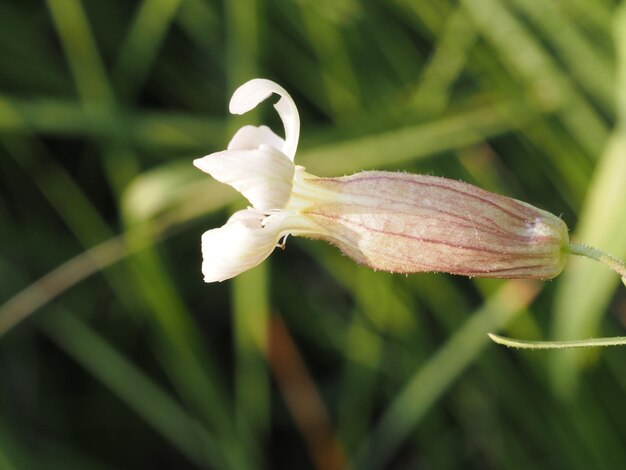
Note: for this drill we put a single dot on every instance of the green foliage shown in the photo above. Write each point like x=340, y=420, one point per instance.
x=115, y=354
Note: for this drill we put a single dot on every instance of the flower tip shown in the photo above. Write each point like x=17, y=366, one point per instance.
x=250, y=94
x=199, y=163
x=211, y=279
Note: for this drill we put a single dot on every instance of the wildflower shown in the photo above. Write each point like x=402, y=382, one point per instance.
x=394, y=222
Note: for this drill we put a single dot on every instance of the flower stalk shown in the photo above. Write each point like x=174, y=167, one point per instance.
x=567, y=344
x=590, y=252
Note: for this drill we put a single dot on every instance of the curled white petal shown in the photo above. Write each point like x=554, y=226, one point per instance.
x=291, y=120
x=243, y=242
x=252, y=137
x=253, y=92
x=264, y=175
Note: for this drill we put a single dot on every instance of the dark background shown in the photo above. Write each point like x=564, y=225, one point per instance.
x=115, y=354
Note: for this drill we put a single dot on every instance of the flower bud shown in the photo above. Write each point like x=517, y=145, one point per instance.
x=409, y=223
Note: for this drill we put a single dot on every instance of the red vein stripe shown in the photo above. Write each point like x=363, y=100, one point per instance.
x=422, y=239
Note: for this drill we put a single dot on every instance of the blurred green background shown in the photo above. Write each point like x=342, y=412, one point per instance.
x=115, y=354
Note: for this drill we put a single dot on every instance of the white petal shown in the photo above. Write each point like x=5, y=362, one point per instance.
x=242, y=243
x=264, y=176
x=252, y=137
x=251, y=93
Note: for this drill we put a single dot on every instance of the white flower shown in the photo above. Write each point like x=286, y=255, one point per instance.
x=394, y=222
x=259, y=164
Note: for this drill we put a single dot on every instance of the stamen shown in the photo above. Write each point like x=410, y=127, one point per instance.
x=282, y=243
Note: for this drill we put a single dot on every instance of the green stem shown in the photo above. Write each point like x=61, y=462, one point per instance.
x=590, y=252
x=576, y=343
